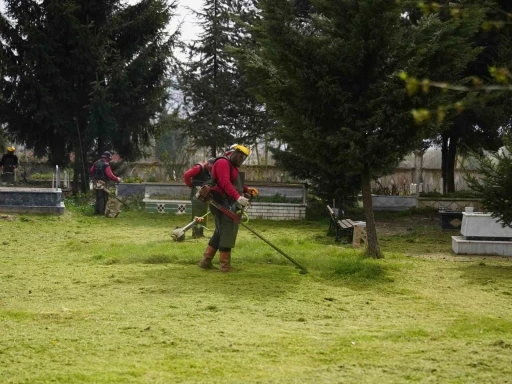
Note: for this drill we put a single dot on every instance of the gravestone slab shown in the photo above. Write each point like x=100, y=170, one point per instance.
x=483, y=225
x=462, y=246
x=31, y=200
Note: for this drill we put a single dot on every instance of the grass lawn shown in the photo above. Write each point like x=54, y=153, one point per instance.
x=87, y=299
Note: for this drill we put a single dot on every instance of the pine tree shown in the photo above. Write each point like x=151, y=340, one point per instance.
x=84, y=76
x=330, y=75
x=479, y=117
x=479, y=125
x=220, y=109
x=496, y=183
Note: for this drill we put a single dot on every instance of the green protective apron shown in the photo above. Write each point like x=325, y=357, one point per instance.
x=228, y=229
x=198, y=208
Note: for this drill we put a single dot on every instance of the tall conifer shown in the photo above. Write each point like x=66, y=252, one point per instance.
x=329, y=72
x=83, y=76
x=220, y=109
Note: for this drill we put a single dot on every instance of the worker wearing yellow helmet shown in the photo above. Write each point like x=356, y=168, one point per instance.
x=229, y=192
x=9, y=163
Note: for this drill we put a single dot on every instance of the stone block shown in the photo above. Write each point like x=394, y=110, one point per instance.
x=483, y=225
x=393, y=203
x=462, y=246
x=31, y=200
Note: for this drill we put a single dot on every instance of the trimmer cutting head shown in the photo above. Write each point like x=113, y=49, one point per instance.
x=178, y=234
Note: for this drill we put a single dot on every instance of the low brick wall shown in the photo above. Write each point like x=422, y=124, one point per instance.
x=277, y=211
x=268, y=211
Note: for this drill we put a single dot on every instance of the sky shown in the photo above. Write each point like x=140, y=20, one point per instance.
x=190, y=29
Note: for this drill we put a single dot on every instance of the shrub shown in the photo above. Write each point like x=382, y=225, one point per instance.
x=133, y=179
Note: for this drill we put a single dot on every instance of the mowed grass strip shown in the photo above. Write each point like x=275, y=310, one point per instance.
x=88, y=299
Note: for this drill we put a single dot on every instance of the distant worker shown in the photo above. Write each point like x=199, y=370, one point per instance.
x=9, y=163
x=100, y=173
x=230, y=193
x=195, y=177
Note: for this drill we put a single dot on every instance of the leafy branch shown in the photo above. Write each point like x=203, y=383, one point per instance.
x=413, y=85
x=459, y=11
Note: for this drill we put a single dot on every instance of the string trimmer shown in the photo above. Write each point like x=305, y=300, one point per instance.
x=178, y=234
x=237, y=219
x=112, y=208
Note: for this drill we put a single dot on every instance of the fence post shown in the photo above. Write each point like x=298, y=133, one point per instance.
x=57, y=177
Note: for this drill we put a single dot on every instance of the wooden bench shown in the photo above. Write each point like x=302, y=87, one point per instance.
x=354, y=231
x=333, y=219
x=340, y=227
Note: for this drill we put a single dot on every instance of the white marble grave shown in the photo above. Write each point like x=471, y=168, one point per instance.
x=482, y=235
x=483, y=225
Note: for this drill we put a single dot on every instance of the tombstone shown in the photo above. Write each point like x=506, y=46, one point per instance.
x=31, y=200
x=482, y=235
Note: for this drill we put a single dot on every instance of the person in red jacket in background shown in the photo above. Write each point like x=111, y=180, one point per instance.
x=101, y=172
x=229, y=192
x=196, y=176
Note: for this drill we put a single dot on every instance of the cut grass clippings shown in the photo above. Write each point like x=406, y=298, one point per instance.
x=86, y=299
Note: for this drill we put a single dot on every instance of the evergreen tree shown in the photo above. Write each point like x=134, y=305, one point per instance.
x=496, y=183
x=220, y=109
x=478, y=126
x=83, y=76
x=330, y=75
x=478, y=119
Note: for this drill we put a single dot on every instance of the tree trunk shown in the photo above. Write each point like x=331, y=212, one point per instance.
x=213, y=150
x=371, y=231
x=266, y=148
x=450, y=164
x=444, y=159
x=76, y=168
x=81, y=171
x=258, y=161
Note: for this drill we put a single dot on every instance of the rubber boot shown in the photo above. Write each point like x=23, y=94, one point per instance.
x=206, y=261
x=225, y=261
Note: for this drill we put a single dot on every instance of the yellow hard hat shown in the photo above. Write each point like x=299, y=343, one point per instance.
x=240, y=148
x=11, y=149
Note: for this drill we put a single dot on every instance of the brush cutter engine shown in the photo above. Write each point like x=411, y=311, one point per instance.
x=204, y=193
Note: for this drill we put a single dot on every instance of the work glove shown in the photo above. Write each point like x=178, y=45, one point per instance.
x=252, y=191
x=243, y=201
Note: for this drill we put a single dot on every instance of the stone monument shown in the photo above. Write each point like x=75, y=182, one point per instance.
x=482, y=235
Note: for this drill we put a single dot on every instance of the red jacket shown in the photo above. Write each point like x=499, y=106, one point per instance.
x=108, y=172
x=192, y=172
x=224, y=173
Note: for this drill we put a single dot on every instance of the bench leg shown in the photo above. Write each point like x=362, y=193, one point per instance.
x=344, y=233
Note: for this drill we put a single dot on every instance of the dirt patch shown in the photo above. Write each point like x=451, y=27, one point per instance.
x=404, y=225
